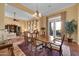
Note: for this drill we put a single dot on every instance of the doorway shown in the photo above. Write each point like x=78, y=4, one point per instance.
x=54, y=27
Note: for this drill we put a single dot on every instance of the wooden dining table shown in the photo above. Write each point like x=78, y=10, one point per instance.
x=43, y=39
x=46, y=41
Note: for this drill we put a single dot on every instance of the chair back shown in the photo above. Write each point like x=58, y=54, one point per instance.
x=63, y=37
x=28, y=37
x=25, y=35
x=36, y=33
x=60, y=45
x=60, y=50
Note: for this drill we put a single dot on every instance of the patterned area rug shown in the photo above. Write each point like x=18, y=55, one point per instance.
x=29, y=50
x=66, y=50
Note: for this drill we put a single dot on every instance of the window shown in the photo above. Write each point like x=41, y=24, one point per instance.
x=55, y=27
x=58, y=28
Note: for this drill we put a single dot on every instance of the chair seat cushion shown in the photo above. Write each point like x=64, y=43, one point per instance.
x=55, y=47
x=57, y=43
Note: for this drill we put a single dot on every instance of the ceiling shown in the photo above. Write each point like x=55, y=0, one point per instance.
x=47, y=8
x=20, y=14
x=43, y=8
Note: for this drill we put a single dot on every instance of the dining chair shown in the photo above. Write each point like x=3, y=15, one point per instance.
x=27, y=37
x=56, y=45
x=37, y=44
x=59, y=43
x=36, y=33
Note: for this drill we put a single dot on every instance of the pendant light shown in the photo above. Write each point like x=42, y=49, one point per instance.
x=37, y=13
x=14, y=19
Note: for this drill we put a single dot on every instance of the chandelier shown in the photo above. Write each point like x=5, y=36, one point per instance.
x=37, y=14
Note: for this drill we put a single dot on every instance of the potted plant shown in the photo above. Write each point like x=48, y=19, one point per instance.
x=70, y=27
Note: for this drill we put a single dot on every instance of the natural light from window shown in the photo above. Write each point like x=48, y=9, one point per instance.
x=58, y=25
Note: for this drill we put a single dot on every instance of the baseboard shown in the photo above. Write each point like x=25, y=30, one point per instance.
x=76, y=42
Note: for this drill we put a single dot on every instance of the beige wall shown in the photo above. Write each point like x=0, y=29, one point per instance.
x=78, y=22
x=71, y=13
x=33, y=24
x=43, y=23
x=2, y=10
x=21, y=23
x=1, y=21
